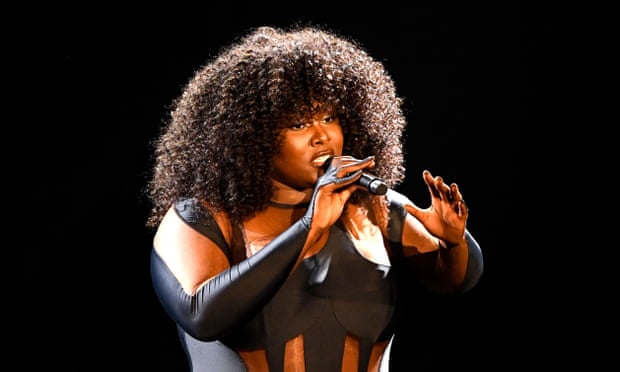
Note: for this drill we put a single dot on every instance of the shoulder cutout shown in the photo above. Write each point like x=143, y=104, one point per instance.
x=198, y=217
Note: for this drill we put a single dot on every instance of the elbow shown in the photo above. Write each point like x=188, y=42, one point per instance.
x=475, y=264
x=201, y=332
x=204, y=325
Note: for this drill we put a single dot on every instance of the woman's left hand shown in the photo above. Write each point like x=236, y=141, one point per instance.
x=446, y=218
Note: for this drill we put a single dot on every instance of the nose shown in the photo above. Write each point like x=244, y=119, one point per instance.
x=319, y=134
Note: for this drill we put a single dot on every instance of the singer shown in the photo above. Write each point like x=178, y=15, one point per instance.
x=271, y=250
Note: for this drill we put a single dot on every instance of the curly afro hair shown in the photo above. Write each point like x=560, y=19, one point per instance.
x=226, y=120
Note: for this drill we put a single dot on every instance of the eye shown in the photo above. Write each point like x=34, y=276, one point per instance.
x=298, y=126
x=329, y=119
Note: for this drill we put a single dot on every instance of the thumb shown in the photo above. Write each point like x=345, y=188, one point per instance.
x=415, y=211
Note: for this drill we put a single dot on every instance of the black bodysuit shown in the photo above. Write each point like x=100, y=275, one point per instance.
x=333, y=294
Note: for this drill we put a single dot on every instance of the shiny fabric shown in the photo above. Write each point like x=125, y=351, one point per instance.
x=333, y=294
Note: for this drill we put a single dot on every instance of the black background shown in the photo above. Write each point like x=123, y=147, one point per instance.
x=467, y=73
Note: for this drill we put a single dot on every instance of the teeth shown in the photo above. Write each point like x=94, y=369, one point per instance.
x=320, y=160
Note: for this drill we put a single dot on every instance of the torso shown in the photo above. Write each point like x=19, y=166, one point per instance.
x=335, y=307
x=333, y=313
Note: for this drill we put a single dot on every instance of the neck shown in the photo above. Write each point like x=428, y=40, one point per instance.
x=288, y=197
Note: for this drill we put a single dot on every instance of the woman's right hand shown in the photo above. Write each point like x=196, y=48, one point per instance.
x=334, y=188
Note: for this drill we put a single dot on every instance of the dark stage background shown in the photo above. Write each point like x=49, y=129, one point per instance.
x=465, y=72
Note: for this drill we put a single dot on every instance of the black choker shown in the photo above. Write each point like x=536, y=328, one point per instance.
x=290, y=206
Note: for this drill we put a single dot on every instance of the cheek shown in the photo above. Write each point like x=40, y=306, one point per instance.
x=337, y=139
x=292, y=146
x=286, y=160
x=291, y=170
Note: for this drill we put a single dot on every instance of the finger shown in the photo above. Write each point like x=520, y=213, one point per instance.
x=461, y=208
x=414, y=210
x=444, y=190
x=456, y=193
x=430, y=183
x=349, y=178
x=345, y=193
x=352, y=165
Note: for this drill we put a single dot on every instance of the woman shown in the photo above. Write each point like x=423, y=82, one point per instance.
x=269, y=253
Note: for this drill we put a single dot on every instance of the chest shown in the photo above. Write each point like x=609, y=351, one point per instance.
x=365, y=236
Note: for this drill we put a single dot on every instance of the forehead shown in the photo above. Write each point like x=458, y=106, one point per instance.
x=307, y=112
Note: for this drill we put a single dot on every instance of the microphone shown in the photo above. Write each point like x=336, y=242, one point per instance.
x=373, y=184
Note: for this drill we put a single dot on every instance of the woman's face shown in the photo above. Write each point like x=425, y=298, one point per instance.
x=305, y=146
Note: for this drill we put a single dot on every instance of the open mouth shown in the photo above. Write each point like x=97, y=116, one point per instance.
x=319, y=161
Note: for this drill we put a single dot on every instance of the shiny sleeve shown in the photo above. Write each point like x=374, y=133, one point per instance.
x=397, y=215
x=235, y=294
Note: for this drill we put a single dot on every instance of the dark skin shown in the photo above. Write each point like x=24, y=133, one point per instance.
x=265, y=241
x=305, y=147
x=446, y=217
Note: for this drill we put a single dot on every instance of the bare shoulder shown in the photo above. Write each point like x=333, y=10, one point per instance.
x=190, y=255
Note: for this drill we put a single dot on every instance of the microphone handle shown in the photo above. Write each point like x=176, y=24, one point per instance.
x=373, y=184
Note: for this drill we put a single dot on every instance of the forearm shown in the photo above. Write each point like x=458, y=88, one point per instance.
x=459, y=268
x=235, y=294
x=444, y=269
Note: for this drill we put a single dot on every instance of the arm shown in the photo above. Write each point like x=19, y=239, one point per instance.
x=232, y=295
x=435, y=239
x=206, y=295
